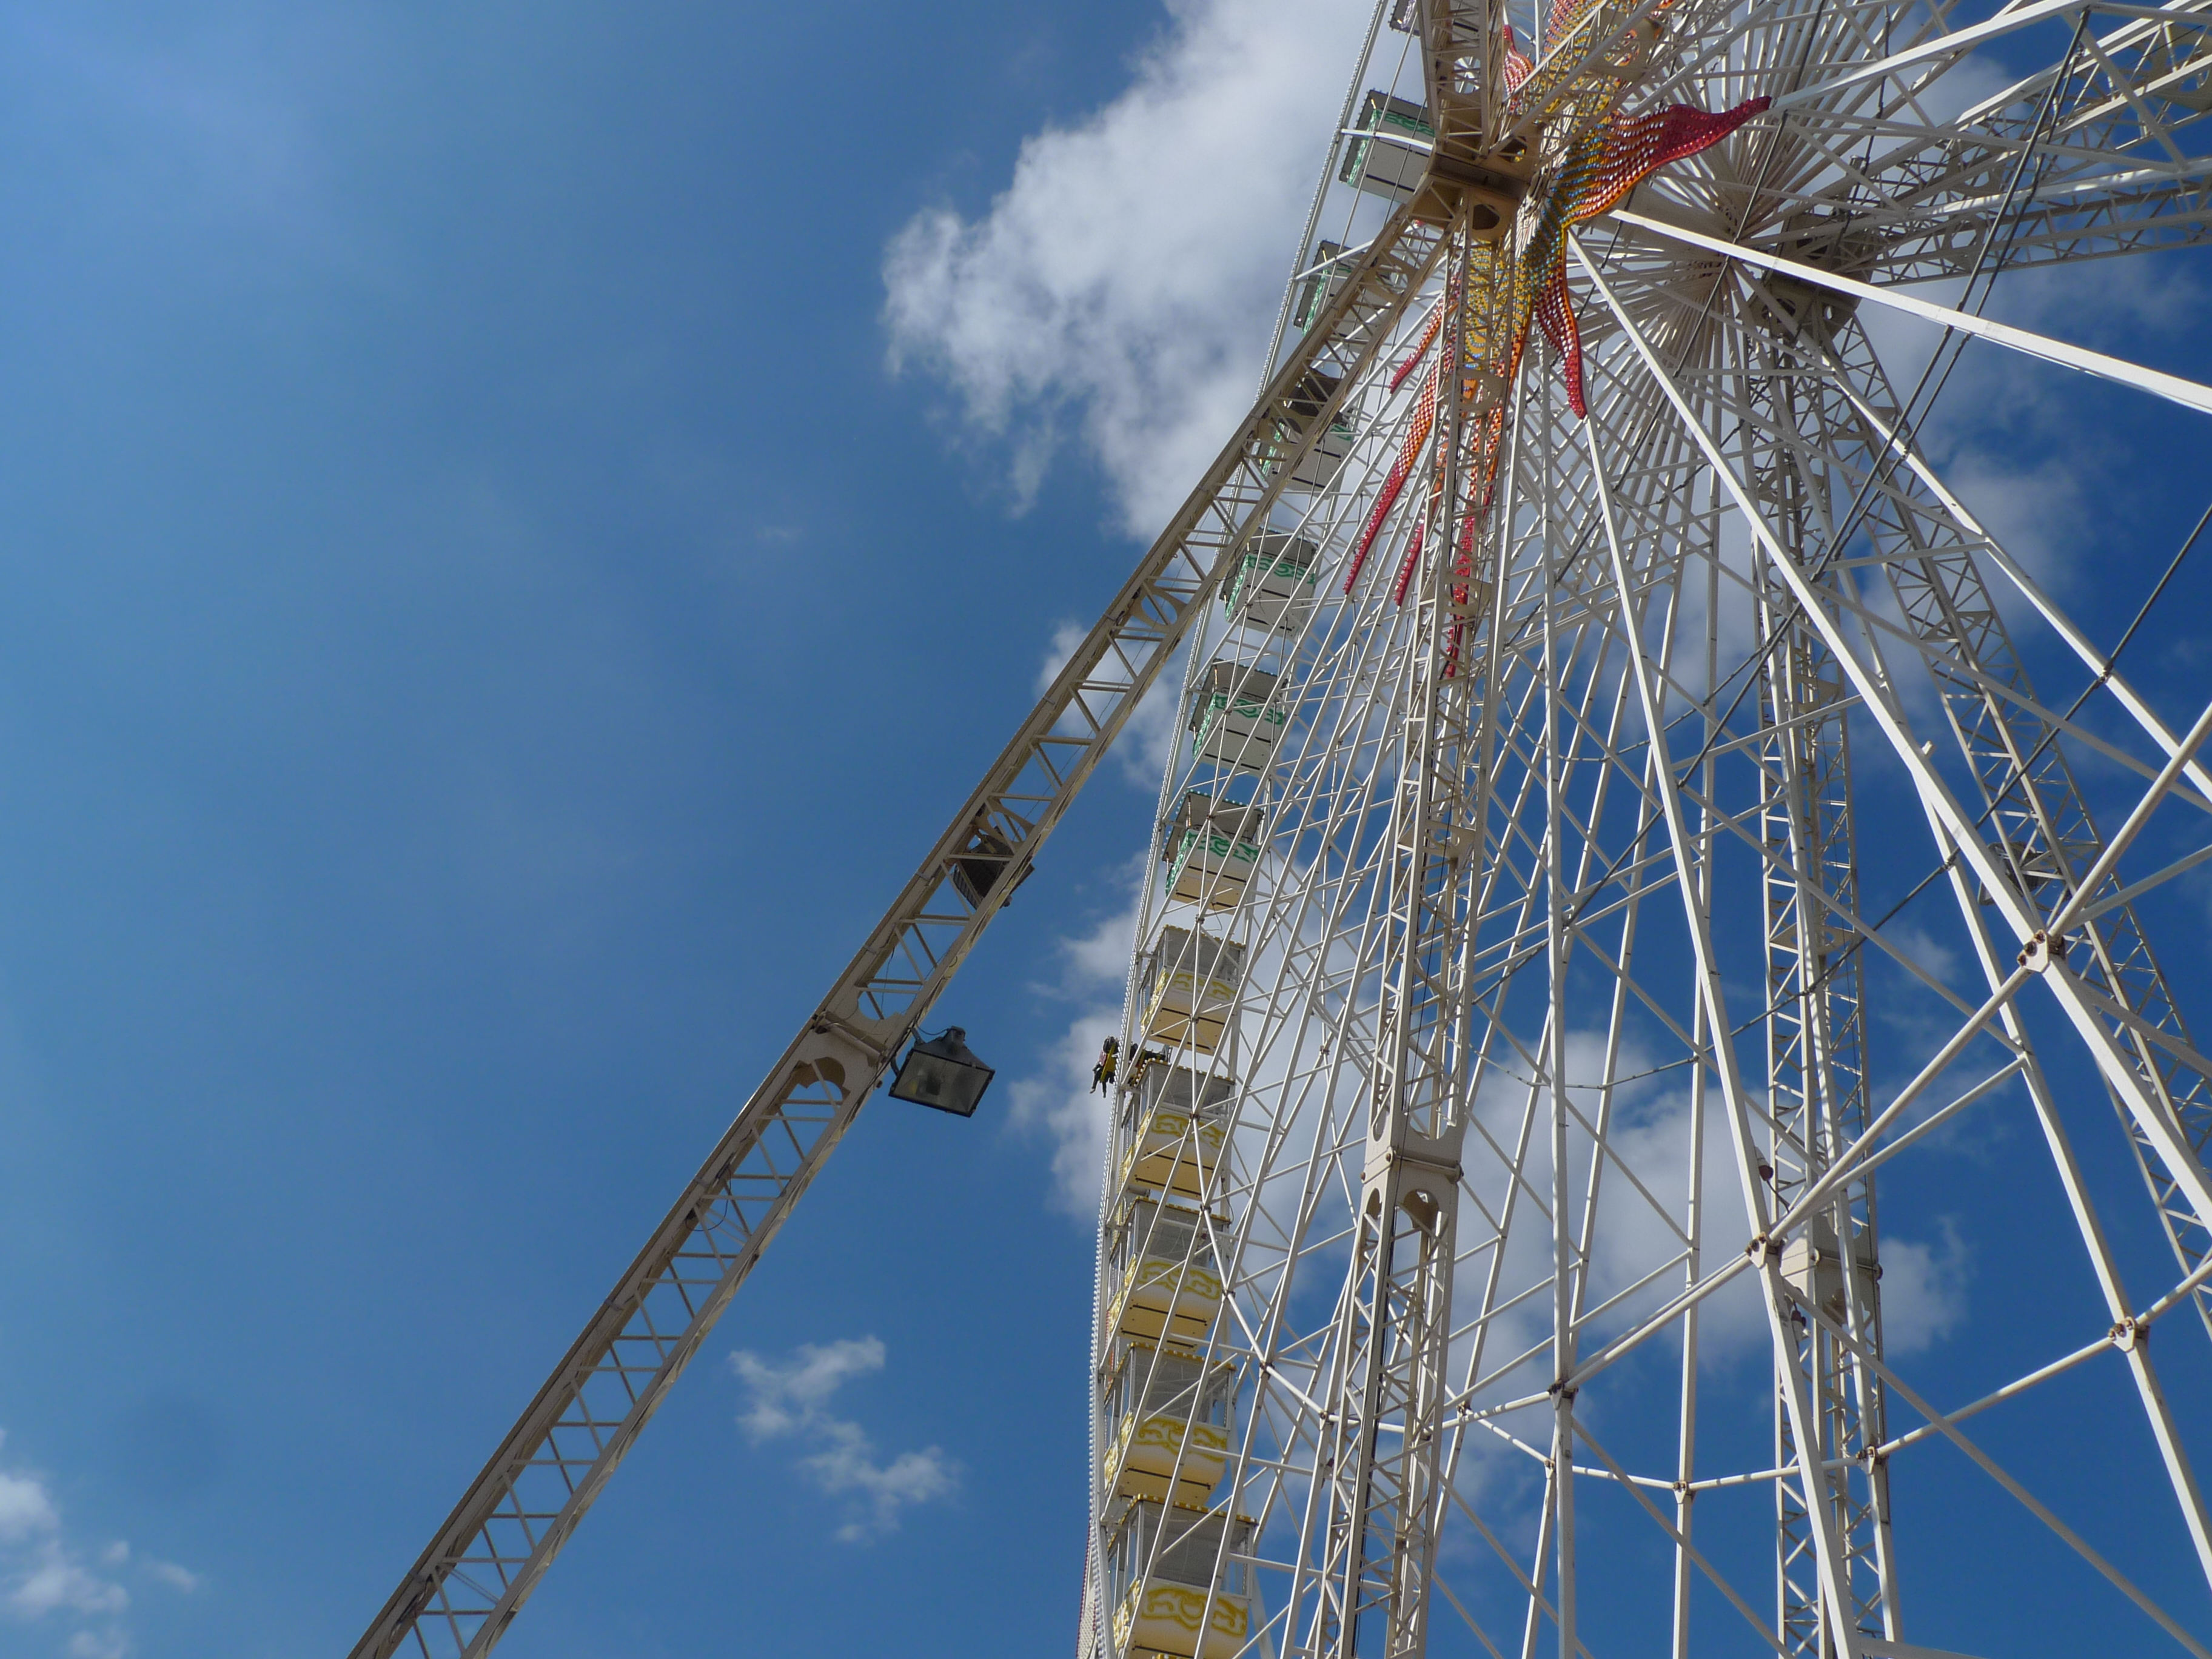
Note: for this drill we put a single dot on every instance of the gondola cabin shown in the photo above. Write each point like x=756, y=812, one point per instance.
x=1175, y=1584
x=1189, y=981
x=1275, y=583
x=1392, y=163
x=1173, y=1126
x=1212, y=849
x=1234, y=721
x=1168, y=1413
x=1162, y=1280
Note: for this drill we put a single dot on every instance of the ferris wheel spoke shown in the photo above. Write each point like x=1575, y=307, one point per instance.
x=2123, y=958
x=2137, y=1083
x=1501, y=746
x=2114, y=131
x=2115, y=138
x=2188, y=393
x=1949, y=1428
x=1935, y=51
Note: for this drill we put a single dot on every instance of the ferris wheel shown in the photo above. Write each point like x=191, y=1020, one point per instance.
x=1613, y=835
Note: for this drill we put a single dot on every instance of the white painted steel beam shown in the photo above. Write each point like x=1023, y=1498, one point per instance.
x=466, y=1590
x=2172, y=387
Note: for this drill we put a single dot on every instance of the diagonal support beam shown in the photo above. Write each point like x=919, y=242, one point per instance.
x=2172, y=387
x=466, y=1587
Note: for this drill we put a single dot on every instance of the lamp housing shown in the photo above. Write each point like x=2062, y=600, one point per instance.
x=942, y=1072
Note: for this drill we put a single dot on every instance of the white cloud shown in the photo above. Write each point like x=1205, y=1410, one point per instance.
x=176, y=1577
x=788, y=1397
x=1128, y=274
x=848, y=1465
x=54, y=1579
x=24, y=1508
x=1099, y=962
x=1649, y=1136
x=42, y=1575
x=1923, y=1289
x=1923, y=1285
x=1063, y=1103
x=792, y=1398
x=1915, y=942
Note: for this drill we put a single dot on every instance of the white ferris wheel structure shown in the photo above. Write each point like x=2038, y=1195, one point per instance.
x=1492, y=1234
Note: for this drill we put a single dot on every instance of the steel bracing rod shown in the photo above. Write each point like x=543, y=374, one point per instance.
x=1797, y=1402
x=1701, y=1033
x=1953, y=830
x=1566, y=1258
x=1928, y=552
x=1395, y=1321
x=1997, y=1472
x=2123, y=959
x=1957, y=43
x=469, y=1584
x=2188, y=393
x=1880, y=185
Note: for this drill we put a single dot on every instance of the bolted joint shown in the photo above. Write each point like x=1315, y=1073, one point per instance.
x=2130, y=1334
x=2036, y=953
x=1762, y=1250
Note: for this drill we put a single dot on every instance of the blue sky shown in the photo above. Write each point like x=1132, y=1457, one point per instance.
x=485, y=623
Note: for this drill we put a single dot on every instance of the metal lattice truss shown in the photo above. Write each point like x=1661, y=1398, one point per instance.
x=1501, y=1052
x=503, y=1534
x=1494, y=1098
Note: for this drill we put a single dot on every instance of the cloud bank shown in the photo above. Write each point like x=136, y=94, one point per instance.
x=45, y=1575
x=1124, y=283
x=792, y=1398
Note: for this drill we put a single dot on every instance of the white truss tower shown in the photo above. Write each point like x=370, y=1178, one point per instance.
x=1498, y=1061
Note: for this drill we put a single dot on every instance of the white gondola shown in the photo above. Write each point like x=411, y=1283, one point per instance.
x=1380, y=166
x=1325, y=279
x=1275, y=583
x=1172, y=1128
x=1171, y=1414
x=1165, y=1565
x=1164, y=1283
x=1211, y=850
x=1317, y=468
x=1234, y=721
x=1189, y=982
